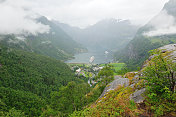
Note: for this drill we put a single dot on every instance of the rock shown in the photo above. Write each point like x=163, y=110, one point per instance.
x=164, y=51
x=137, y=96
x=135, y=79
x=130, y=75
x=150, y=58
x=132, y=85
x=113, y=85
x=170, y=47
x=168, y=50
x=117, y=77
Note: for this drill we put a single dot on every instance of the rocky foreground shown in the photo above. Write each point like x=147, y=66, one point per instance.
x=132, y=81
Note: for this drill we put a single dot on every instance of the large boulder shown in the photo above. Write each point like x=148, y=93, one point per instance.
x=137, y=96
x=170, y=50
x=113, y=85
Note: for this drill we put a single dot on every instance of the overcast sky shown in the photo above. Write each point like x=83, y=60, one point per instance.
x=18, y=16
x=85, y=12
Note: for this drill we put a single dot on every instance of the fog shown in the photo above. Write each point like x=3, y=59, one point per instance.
x=18, y=20
x=163, y=24
x=19, y=16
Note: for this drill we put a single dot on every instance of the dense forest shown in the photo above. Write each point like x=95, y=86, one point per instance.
x=36, y=85
x=27, y=80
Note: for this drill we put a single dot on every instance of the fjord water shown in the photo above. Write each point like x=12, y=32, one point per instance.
x=100, y=57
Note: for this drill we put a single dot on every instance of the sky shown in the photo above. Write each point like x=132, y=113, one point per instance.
x=19, y=15
x=86, y=12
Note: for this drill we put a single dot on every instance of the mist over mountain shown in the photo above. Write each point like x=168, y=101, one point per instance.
x=111, y=68
x=108, y=34
x=170, y=8
x=55, y=43
x=159, y=31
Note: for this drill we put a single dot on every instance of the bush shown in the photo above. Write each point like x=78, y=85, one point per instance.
x=160, y=76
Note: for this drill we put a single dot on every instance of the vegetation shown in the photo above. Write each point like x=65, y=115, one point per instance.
x=160, y=76
x=116, y=104
x=106, y=75
x=136, y=52
x=116, y=67
x=69, y=99
x=27, y=80
x=35, y=85
x=56, y=44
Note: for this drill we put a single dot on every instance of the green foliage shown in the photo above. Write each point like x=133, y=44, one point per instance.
x=115, y=103
x=106, y=75
x=27, y=80
x=14, y=113
x=56, y=44
x=95, y=93
x=136, y=52
x=50, y=112
x=160, y=76
x=123, y=70
x=34, y=73
x=70, y=98
x=29, y=103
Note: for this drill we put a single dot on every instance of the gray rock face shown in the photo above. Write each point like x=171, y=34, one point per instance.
x=167, y=48
x=137, y=96
x=113, y=85
x=135, y=79
x=170, y=48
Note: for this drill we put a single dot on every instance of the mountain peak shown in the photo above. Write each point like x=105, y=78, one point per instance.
x=170, y=7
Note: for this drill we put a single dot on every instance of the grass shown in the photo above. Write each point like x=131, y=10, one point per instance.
x=116, y=66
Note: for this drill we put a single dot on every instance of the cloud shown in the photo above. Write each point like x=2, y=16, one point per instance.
x=83, y=13
x=86, y=12
x=163, y=24
x=16, y=19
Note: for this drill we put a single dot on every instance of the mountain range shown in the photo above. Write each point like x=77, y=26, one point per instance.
x=56, y=43
x=108, y=34
x=159, y=31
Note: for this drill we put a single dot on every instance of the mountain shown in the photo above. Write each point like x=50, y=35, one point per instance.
x=159, y=31
x=109, y=34
x=140, y=93
x=28, y=79
x=56, y=43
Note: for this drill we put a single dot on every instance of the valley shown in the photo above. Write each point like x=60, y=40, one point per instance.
x=67, y=59
x=100, y=57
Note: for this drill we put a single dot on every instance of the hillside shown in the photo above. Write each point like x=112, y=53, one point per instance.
x=27, y=81
x=56, y=43
x=149, y=92
x=157, y=32
x=109, y=34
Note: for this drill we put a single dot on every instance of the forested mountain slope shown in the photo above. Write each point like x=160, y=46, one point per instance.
x=27, y=80
x=108, y=34
x=56, y=43
x=158, y=32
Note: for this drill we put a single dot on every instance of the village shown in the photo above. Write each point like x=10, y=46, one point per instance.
x=89, y=71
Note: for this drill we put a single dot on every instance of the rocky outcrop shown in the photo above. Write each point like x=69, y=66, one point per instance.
x=132, y=79
x=137, y=96
x=171, y=50
x=168, y=51
x=113, y=85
